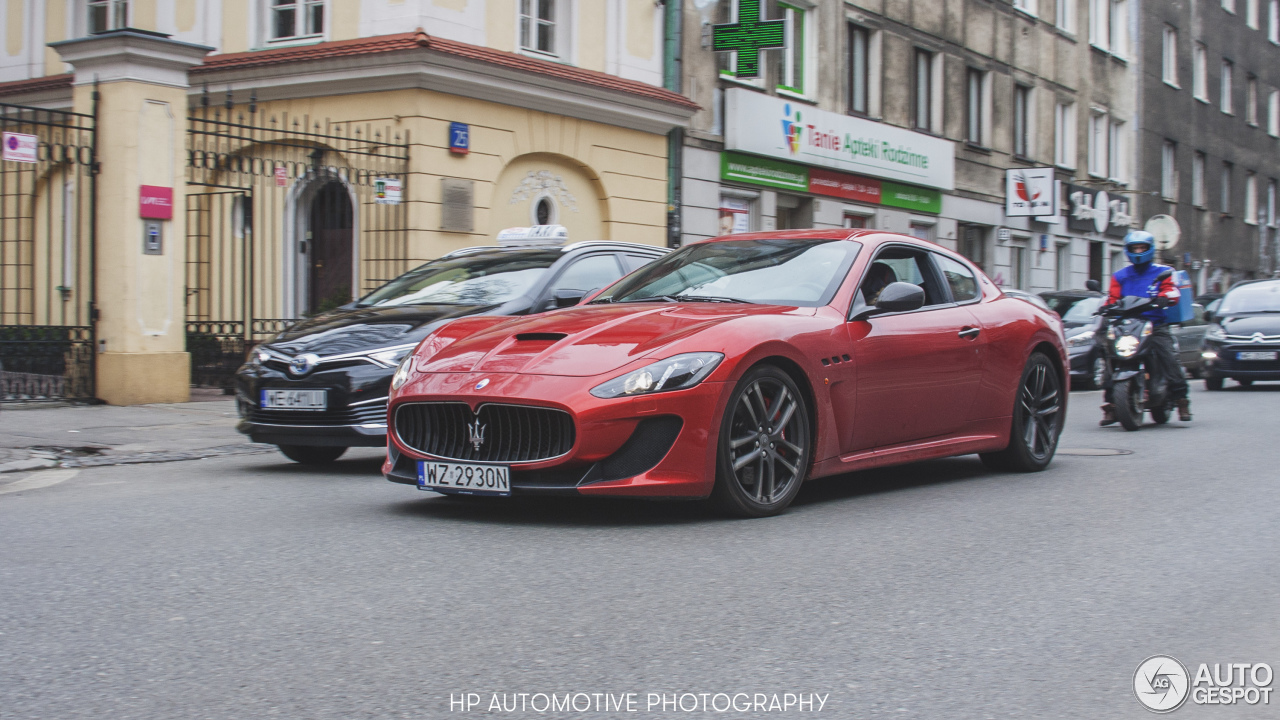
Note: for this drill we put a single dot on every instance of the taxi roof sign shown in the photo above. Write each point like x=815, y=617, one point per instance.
x=538, y=235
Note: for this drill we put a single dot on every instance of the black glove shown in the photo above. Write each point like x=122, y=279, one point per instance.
x=1161, y=301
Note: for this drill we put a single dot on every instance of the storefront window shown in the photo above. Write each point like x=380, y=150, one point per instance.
x=923, y=231
x=855, y=221
x=735, y=215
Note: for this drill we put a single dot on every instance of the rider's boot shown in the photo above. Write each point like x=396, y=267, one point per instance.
x=1108, y=415
x=1184, y=409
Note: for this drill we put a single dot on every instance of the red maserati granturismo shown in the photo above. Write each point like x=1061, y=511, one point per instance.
x=735, y=369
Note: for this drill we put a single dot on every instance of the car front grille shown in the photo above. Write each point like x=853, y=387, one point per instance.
x=1249, y=338
x=497, y=433
x=371, y=414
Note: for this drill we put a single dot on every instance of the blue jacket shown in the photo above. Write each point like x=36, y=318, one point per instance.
x=1128, y=282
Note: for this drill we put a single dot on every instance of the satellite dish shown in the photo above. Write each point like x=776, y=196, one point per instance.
x=1165, y=230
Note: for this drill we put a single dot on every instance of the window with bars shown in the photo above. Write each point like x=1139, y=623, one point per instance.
x=108, y=15
x=538, y=26
x=292, y=19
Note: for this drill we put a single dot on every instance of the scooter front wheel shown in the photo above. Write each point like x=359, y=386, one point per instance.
x=1128, y=403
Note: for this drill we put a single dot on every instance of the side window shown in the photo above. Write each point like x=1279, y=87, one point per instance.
x=899, y=265
x=590, y=273
x=963, y=284
x=635, y=262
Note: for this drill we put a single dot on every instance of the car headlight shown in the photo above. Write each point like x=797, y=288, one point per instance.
x=1127, y=346
x=1084, y=338
x=674, y=373
x=1215, y=332
x=402, y=372
x=390, y=357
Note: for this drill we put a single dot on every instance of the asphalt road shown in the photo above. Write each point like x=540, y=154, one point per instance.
x=247, y=587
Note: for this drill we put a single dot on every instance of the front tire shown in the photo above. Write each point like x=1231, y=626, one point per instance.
x=1037, y=420
x=1128, y=403
x=763, y=453
x=312, y=454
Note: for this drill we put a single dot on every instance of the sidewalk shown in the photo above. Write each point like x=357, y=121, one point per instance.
x=35, y=436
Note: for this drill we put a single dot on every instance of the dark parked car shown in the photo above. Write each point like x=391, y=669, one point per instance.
x=1242, y=342
x=1061, y=301
x=1190, y=335
x=321, y=386
x=1080, y=325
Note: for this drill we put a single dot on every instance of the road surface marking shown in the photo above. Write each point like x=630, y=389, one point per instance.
x=45, y=479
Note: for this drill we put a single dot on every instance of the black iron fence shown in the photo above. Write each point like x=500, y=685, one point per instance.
x=287, y=216
x=47, y=197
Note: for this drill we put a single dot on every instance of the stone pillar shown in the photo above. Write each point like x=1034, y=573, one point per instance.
x=142, y=122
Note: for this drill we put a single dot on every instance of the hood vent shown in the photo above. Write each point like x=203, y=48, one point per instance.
x=541, y=336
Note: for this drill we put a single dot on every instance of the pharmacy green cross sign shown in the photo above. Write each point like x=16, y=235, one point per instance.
x=748, y=37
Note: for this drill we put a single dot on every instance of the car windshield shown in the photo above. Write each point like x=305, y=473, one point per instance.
x=804, y=273
x=1082, y=311
x=1061, y=304
x=1260, y=297
x=490, y=278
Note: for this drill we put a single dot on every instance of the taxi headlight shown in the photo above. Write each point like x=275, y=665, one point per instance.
x=402, y=372
x=1127, y=346
x=674, y=373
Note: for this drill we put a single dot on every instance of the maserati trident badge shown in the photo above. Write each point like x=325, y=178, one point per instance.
x=481, y=385
x=475, y=433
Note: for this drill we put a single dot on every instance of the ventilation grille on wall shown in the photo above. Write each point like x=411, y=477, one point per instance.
x=457, y=205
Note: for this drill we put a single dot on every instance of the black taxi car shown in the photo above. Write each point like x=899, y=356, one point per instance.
x=321, y=386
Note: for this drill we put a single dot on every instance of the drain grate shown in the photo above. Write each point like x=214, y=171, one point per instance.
x=1093, y=452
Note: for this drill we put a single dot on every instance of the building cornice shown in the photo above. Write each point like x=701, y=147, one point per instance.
x=130, y=55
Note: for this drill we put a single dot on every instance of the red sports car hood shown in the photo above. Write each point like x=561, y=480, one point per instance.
x=585, y=340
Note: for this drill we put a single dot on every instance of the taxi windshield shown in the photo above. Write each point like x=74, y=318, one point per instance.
x=490, y=278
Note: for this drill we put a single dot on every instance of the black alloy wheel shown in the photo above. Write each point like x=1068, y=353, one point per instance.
x=1212, y=383
x=1128, y=403
x=312, y=454
x=1037, y=420
x=763, y=453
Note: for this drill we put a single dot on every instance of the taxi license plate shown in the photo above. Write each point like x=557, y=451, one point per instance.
x=464, y=478
x=294, y=399
x=1256, y=355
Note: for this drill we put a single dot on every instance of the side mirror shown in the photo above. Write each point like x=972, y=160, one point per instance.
x=567, y=297
x=1093, y=285
x=896, y=297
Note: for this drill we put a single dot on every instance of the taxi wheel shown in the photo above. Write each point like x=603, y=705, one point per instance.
x=312, y=454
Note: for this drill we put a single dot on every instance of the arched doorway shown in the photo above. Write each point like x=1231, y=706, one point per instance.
x=330, y=255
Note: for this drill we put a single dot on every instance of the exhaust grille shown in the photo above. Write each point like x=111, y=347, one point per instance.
x=497, y=433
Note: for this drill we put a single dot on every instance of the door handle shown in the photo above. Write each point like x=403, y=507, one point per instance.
x=969, y=333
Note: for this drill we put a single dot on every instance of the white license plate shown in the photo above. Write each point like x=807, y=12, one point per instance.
x=1256, y=355
x=294, y=399
x=464, y=478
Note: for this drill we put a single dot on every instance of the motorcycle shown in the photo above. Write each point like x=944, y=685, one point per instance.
x=1133, y=389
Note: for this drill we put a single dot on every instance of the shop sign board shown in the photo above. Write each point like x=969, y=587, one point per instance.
x=1090, y=210
x=910, y=198
x=386, y=191
x=778, y=128
x=762, y=171
x=1029, y=192
x=840, y=185
x=785, y=176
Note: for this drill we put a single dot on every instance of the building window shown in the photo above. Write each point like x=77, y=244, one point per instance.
x=1251, y=101
x=1169, y=171
x=1273, y=113
x=973, y=243
x=1170, y=64
x=1021, y=120
x=1200, y=72
x=538, y=26
x=292, y=19
x=1017, y=265
x=791, y=60
x=1251, y=199
x=923, y=101
x=1098, y=145
x=1063, y=261
x=855, y=222
x=1119, y=30
x=1064, y=135
x=108, y=15
x=1229, y=6
x=1273, y=21
x=1271, y=203
x=921, y=230
x=1228, y=68
x=977, y=113
x=1117, y=141
x=1100, y=23
x=1066, y=15
x=1198, y=195
x=1026, y=6
x=735, y=214
x=859, y=69
x=1251, y=13
x=1224, y=197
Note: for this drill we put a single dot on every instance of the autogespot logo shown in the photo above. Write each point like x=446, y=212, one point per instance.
x=1161, y=683
x=791, y=128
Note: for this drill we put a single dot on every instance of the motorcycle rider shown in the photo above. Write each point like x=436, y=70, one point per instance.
x=1139, y=280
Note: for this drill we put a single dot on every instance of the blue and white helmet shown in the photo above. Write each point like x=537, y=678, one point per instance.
x=1140, y=237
